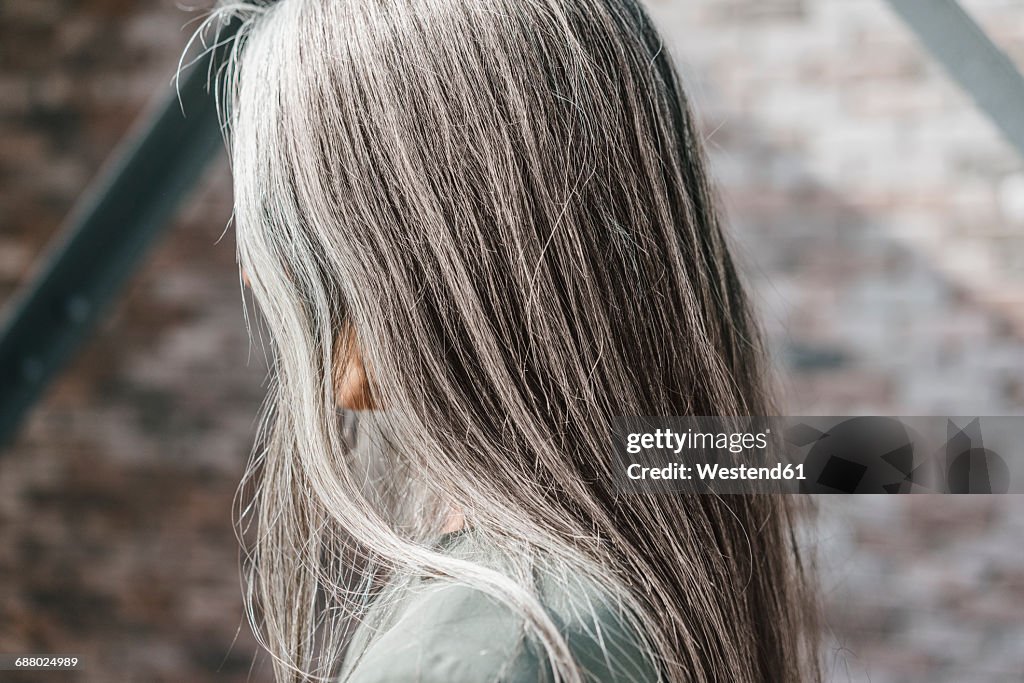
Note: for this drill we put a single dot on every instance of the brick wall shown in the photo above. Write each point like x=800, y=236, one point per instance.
x=115, y=501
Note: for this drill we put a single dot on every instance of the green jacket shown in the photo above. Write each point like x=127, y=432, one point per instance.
x=438, y=631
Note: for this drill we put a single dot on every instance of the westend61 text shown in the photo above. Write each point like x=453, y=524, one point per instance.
x=711, y=472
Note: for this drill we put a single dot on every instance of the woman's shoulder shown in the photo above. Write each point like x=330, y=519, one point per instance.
x=602, y=637
x=450, y=632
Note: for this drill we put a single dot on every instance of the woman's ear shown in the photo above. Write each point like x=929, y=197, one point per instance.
x=351, y=385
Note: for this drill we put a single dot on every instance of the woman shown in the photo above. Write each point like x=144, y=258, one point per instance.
x=485, y=226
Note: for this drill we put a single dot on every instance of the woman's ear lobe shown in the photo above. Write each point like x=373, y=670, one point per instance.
x=351, y=385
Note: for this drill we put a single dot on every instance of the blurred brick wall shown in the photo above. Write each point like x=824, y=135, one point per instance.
x=115, y=501
x=879, y=215
x=883, y=215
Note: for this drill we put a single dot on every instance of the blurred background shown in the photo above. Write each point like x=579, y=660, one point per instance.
x=879, y=216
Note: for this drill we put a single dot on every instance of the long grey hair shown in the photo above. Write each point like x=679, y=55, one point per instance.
x=503, y=204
